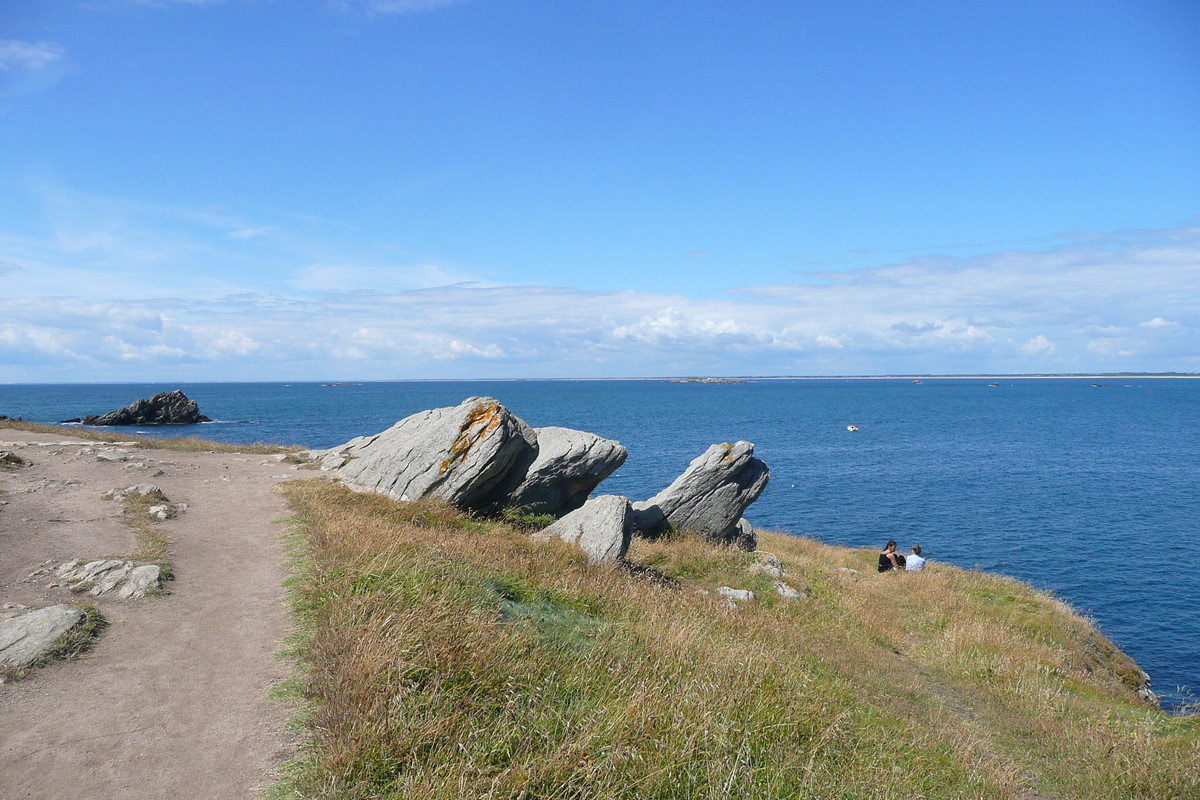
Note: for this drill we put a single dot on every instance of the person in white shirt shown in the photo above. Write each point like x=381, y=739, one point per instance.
x=915, y=563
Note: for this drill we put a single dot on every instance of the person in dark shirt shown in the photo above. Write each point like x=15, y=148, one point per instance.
x=888, y=559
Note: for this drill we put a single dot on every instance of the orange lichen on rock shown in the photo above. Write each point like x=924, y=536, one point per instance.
x=472, y=431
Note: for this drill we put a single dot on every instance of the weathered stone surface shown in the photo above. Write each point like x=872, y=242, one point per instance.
x=569, y=465
x=27, y=638
x=141, y=580
x=108, y=575
x=736, y=595
x=109, y=580
x=168, y=408
x=10, y=459
x=163, y=512
x=601, y=527
x=788, y=593
x=709, y=497
x=472, y=455
x=768, y=564
x=744, y=537
x=143, y=489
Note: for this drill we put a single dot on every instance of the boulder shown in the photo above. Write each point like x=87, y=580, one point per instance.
x=10, y=459
x=601, y=527
x=472, y=455
x=569, y=465
x=27, y=638
x=168, y=408
x=709, y=497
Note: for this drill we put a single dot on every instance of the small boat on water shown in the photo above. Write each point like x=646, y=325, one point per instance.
x=851, y=427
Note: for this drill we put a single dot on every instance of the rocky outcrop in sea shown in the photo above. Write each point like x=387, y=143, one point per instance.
x=168, y=408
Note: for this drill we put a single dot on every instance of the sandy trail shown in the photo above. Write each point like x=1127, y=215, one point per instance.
x=172, y=702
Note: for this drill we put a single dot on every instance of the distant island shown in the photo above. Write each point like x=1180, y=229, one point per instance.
x=708, y=380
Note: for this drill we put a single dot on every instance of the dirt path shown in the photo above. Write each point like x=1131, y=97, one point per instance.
x=172, y=702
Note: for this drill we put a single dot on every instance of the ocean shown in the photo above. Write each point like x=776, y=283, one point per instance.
x=1086, y=487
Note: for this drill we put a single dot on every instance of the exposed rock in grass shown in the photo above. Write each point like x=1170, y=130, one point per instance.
x=767, y=564
x=709, y=497
x=602, y=528
x=10, y=459
x=141, y=580
x=736, y=595
x=787, y=592
x=744, y=537
x=569, y=465
x=30, y=637
x=162, y=512
x=168, y=408
x=472, y=455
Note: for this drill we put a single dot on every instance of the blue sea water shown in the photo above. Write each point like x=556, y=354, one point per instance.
x=1091, y=491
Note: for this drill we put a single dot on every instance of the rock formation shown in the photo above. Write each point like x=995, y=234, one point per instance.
x=481, y=457
x=709, y=497
x=27, y=638
x=472, y=455
x=569, y=465
x=601, y=527
x=104, y=576
x=169, y=408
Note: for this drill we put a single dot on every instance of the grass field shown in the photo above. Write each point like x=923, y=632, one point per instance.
x=441, y=656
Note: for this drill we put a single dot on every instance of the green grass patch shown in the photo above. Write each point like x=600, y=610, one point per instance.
x=80, y=638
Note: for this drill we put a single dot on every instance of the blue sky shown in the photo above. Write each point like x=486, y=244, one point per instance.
x=248, y=189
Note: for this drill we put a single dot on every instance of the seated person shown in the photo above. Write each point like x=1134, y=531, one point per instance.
x=887, y=557
x=915, y=562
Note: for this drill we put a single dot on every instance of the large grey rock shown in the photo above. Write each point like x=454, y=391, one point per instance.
x=709, y=497
x=569, y=465
x=27, y=638
x=472, y=455
x=602, y=528
x=168, y=408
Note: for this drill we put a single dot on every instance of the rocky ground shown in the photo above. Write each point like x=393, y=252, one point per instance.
x=173, y=699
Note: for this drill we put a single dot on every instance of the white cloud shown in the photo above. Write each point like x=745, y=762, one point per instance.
x=1038, y=345
x=247, y=233
x=172, y=294
x=30, y=67
x=15, y=54
x=392, y=6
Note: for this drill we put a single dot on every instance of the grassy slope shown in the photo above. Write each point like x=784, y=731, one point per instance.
x=444, y=657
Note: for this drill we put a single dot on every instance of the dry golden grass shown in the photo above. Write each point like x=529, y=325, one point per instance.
x=446, y=657
x=184, y=444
